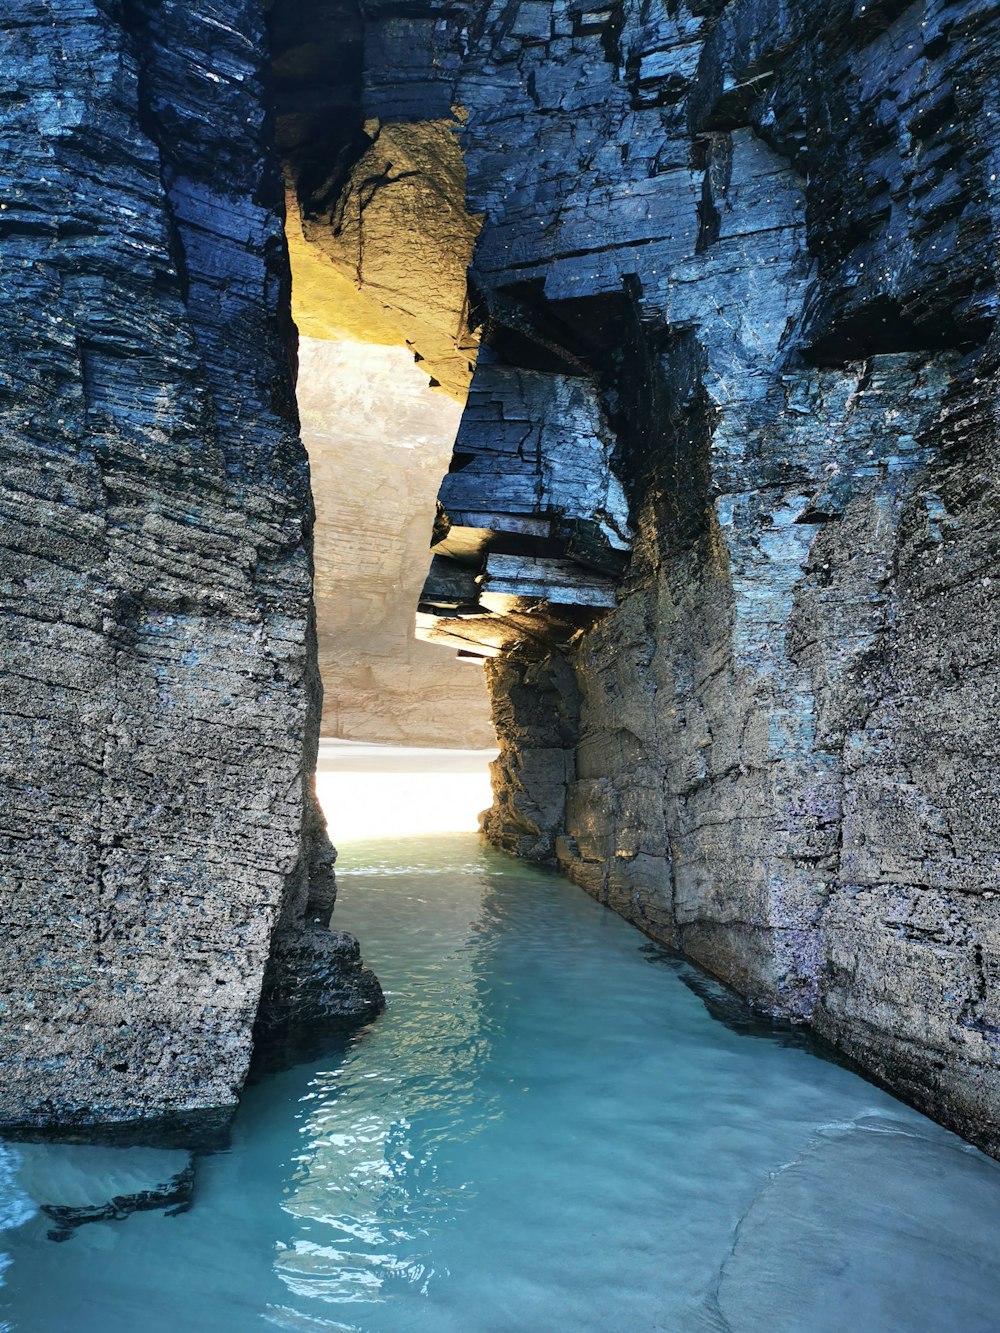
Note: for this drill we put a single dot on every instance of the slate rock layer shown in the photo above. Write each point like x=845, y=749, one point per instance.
x=760, y=243
x=160, y=699
x=723, y=513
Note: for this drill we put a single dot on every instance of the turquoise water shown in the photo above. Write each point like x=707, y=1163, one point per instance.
x=549, y=1129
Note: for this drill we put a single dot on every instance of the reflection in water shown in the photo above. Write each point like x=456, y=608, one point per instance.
x=381, y=1130
x=543, y=1132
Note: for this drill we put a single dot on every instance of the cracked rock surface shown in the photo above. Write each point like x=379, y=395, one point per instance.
x=761, y=239
x=160, y=699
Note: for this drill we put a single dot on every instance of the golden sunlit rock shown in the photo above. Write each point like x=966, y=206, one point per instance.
x=326, y=302
x=387, y=263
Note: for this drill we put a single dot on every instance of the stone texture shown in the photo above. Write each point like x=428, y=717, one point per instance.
x=537, y=716
x=736, y=284
x=764, y=237
x=315, y=978
x=379, y=231
x=379, y=440
x=379, y=239
x=160, y=699
x=398, y=231
x=531, y=509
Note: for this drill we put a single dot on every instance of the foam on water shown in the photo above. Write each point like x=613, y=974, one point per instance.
x=16, y=1208
x=554, y=1126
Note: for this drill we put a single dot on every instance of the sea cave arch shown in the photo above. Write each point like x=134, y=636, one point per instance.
x=722, y=510
x=531, y=530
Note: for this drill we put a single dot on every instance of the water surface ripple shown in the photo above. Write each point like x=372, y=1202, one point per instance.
x=550, y=1128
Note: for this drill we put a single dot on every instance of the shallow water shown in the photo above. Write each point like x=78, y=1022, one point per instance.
x=548, y=1129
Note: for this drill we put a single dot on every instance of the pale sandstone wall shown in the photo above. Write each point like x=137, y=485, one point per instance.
x=379, y=440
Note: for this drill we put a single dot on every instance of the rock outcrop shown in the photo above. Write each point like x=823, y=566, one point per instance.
x=160, y=697
x=722, y=512
x=762, y=240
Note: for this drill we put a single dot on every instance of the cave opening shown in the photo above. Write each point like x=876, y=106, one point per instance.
x=416, y=358
x=379, y=240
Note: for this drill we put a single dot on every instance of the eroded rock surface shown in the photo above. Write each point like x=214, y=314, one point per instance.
x=368, y=131
x=160, y=697
x=380, y=239
x=764, y=238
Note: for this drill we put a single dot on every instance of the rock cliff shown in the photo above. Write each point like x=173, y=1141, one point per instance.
x=721, y=516
x=380, y=239
x=759, y=242
x=160, y=697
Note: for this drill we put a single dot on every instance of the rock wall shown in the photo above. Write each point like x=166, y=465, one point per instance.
x=765, y=236
x=722, y=512
x=160, y=700
x=379, y=441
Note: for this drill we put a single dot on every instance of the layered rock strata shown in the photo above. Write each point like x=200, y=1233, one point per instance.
x=721, y=514
x=160, y=698
x=763, y=240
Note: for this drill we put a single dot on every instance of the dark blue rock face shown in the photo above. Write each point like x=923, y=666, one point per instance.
x=159, y=699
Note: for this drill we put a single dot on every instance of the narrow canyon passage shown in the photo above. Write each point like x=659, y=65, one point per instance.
x=614, y=385
x=553, y=1126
